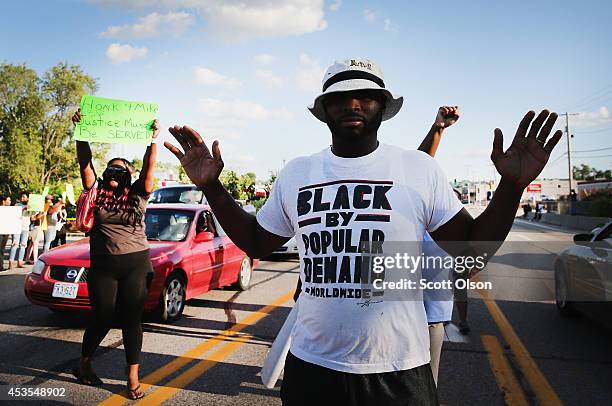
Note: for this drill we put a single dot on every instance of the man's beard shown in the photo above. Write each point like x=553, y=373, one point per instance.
x=369, y=126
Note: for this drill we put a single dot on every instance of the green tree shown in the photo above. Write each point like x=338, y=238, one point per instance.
x=21, y=111
x=270, y=182
x=182, y=175
x=582, y=172
x=229, y=179
x=62, y=87
x=36, y=146
x=246, y=185
x=585, y=172
x=137, y=164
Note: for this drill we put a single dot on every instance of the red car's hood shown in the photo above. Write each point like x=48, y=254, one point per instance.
x=77, y=253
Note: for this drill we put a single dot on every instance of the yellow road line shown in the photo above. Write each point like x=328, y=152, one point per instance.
x=170, y=389
x=506, y=381
x=184, y=359
x=544, y=392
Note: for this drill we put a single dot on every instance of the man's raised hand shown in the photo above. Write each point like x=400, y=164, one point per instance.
x=524, y=160
x=200, y=165
x=447, y=116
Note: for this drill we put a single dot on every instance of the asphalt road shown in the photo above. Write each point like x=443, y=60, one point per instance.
x=520, y=351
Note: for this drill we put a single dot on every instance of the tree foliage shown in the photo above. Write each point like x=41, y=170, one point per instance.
x=229, y=179
x=36, y=146
x=271, y=180
x=585, y=172
x=240, y=187
x=246, y=186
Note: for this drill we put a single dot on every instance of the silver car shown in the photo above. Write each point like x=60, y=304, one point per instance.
x=188, y=194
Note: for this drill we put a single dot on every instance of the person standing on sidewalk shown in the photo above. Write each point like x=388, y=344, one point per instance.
x=354, y=349
x=34, y=237
x=20, y=241
x=5, y=201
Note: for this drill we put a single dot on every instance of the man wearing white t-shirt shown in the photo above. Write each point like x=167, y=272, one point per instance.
x=350, y=347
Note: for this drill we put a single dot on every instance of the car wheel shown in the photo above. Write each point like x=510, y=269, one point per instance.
x=172, y=300
x=245, y=274
x=564, y=305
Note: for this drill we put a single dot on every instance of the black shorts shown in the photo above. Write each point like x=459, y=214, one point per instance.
x=313, y=385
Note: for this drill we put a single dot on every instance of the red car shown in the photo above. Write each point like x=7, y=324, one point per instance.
x=190, y=254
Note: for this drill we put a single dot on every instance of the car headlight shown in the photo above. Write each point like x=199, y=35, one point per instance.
x=39, y=266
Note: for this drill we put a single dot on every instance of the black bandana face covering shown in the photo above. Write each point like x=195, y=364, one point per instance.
x=117, y=173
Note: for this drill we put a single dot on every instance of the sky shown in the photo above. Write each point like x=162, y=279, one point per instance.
x=243, y=72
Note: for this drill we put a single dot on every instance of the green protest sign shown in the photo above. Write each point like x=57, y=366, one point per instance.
x=45, y=191
x=115, y=121
x=36, y=203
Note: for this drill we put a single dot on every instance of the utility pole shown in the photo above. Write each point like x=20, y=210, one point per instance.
x=569, y=152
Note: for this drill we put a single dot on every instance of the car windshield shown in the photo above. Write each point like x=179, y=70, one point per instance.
x=167, y=225
x=184, y=194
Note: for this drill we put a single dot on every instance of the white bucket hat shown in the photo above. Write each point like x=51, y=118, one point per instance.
x=355, y=74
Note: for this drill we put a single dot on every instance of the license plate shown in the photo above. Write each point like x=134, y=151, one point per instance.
x=65, y=290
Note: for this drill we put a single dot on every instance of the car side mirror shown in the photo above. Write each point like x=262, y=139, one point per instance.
x=582, y=239
x=204, y=236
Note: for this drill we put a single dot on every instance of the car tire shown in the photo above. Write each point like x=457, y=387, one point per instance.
x=562, y=288
x=244, y=275
x=172, y=299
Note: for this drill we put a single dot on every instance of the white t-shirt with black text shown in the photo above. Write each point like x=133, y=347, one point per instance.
x=332, y=203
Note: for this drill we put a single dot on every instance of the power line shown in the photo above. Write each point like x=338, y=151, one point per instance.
x=589, y=98
x=595, y=150
x=596, y=102
x=557, y=159
x=594, y=156
x=594, y=130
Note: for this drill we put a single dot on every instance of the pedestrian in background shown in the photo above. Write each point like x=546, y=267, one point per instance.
x=21, y=240
x=438, y=304
x=34, y=237
x=6, y=201
x=62, y=225
x=539, y=211
x=49, y=225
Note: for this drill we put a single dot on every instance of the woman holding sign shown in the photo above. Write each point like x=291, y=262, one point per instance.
x=119, y=253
